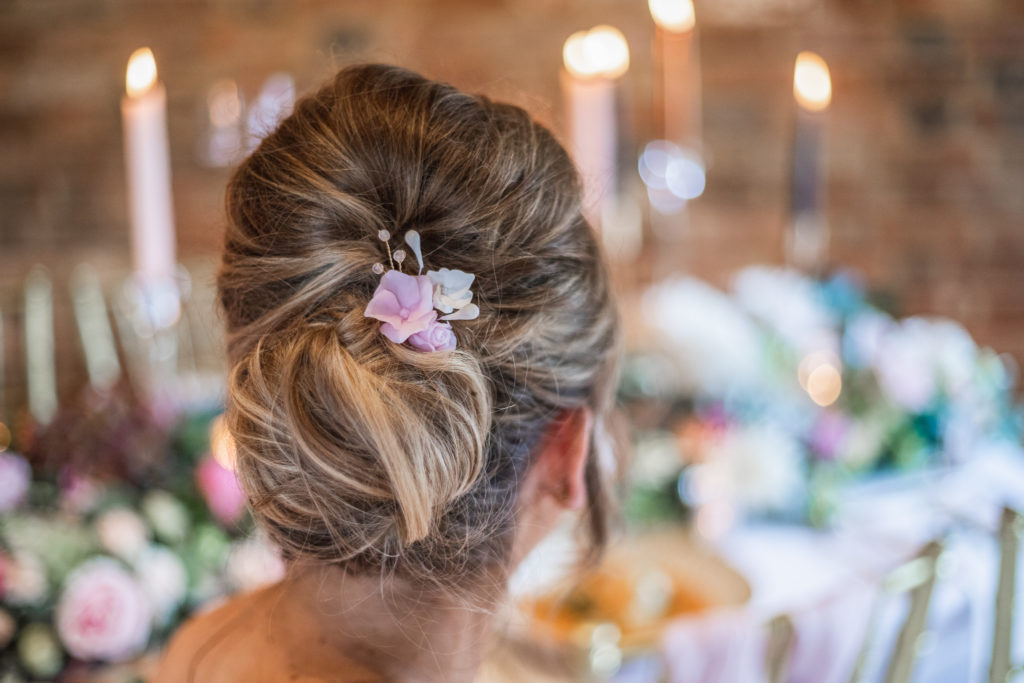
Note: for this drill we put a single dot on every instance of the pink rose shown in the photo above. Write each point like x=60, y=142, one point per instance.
x=404, y=303
x=15, y=476
x=437, y=337
x=103, y=614
x=221, y=491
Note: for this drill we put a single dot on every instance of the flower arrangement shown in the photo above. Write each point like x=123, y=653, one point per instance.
x=767, y=399
x=98, y=568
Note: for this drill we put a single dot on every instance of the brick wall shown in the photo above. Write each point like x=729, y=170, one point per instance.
x=926, y=131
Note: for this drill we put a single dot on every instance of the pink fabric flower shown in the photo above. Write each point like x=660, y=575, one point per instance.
x=103, y=613
x=437, y=337
x=404, y=303
x=15, y=476
x=221, y=491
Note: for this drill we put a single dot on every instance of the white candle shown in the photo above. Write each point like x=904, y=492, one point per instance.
x=40, y=361
x=594, y=60
x=94, y=331
x=275, y=102
x=147, y=160
x=676, y=58
x=223, y=143
x=812, y=88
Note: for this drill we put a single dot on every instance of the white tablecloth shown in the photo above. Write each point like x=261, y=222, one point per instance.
x=828, y=582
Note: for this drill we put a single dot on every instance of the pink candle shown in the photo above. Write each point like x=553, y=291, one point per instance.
x=594, y=60
x=147, y=161
x=679, y=82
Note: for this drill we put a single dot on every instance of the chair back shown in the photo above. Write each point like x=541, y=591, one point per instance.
x=1011, y=528
x=915, y=578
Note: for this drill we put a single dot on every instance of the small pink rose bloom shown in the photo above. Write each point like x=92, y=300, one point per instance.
x=221, y=491
x=404, y=303
x=15, y=476
x=103, y=613
x=437, y=337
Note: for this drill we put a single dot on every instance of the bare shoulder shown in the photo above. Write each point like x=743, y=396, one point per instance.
x=203, y=632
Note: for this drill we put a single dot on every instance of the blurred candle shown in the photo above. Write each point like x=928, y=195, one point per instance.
x=812, y=88
x=594, y=60
x=274, y=103
x=94, y=331
x=679, y=77
x=147, y=159
x=39, y=346
x=223, y=144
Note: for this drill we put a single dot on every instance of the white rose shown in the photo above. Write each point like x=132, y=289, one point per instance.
x=759, y=467
x=451, y=289
x=163, y=580
x=122, y=532
x=166, y=515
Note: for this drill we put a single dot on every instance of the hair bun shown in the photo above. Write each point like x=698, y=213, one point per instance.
x=376, y=446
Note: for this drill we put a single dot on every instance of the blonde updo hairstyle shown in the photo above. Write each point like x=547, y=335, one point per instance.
x=360, y=452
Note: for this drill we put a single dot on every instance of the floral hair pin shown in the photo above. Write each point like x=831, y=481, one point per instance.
x=405, y=304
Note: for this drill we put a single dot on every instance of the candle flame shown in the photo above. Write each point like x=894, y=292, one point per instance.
x=676, y=16
x=600, y=52
x=141, y=74
x=812, y=85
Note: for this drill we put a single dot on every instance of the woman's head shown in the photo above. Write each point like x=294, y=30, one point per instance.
x=373, y=455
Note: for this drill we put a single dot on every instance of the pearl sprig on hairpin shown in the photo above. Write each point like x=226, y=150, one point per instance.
x=405, y=303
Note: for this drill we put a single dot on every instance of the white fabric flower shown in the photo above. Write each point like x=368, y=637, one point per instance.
x=451, y=289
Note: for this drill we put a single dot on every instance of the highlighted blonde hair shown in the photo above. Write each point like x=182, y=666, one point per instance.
x=357, y=451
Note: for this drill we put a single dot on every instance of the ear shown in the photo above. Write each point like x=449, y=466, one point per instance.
x=561, y=461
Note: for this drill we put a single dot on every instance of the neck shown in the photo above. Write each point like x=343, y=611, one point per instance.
x=384, y=625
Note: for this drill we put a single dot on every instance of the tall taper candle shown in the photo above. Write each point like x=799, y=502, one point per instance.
x=147, y=160
x=812, y=88
x=594, y=60
x=40, y=361
x=676, y=60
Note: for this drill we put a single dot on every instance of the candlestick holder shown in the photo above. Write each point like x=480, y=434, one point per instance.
x=807, y=243
x=147, y=311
